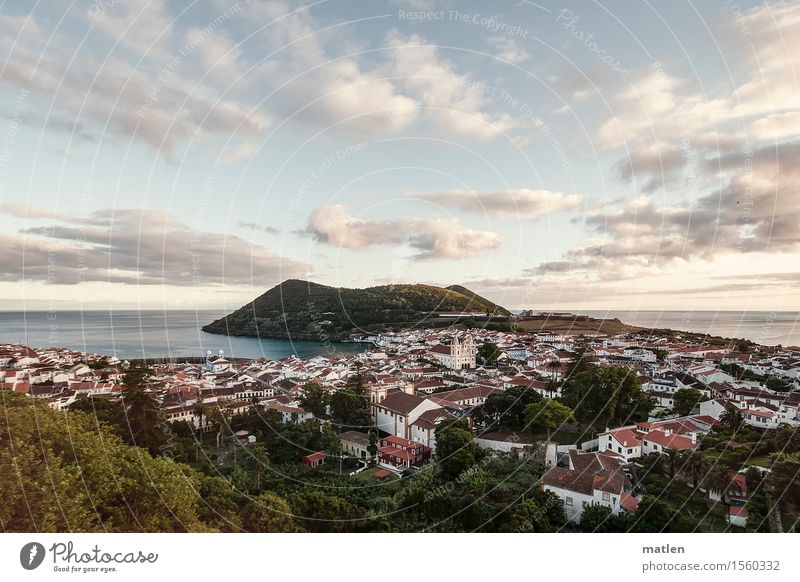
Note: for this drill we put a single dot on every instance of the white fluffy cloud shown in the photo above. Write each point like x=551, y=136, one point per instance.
x=432, y=239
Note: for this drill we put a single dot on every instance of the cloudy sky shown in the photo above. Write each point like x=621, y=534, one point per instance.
x=577, y=155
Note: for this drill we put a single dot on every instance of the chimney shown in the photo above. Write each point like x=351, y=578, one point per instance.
x=694, y=438
x=221, y=353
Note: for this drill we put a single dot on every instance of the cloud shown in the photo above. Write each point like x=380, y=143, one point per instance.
x=138, y=246
x=432, y=239
x=508, y=49
x=314, y=86
x=254, y=226
x=156, y=105
x=758, y=210
x=669, y=125
x=453, y=101
x=144, y=26
x=520, y=204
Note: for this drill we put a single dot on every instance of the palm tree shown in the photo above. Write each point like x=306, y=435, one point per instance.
x=220, y=418
x=672, y=456
x=695, y=464
x=553, y=365
x=732, y=418
x=721, y=480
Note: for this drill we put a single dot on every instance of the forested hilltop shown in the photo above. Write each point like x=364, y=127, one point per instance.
x=305, y=310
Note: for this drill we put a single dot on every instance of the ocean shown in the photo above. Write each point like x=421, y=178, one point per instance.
x=176, y=333
x=148, y=334
x=764, y=327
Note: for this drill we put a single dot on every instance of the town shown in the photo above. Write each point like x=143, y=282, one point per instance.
x=614, y=421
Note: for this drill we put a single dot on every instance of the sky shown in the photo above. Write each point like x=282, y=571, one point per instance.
x=570, y=155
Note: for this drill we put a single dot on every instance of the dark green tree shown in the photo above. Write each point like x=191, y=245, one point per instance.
x=142, y=410
x=456, y=449
x=488, y=353
x=686, y=399
x=607, y=395
x=315, y=399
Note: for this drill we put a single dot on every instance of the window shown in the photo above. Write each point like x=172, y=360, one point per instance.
x=619, y=449
x=568, y=501
x=630, y=451
x=606, y=496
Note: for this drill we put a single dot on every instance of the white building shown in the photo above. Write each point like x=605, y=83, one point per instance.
x=590, y=479
x=460, y=354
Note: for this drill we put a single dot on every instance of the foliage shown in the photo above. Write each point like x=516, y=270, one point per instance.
x=488, y=353
x=456, y=449
x=64, y=473
x=686, y=399
x=142, y=410
x=606, y=394
x=268, y=513
x=548, y=414
x=315, y=399
x=507, y=409
x=304, y=308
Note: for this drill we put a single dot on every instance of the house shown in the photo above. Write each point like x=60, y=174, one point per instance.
x=625, y=442
x=355, y=444
x=659, y=441
x=423, y=430
x=395, y=414
x=459, y=354
x=400, y=454
x=590, y=479
x=314, y=460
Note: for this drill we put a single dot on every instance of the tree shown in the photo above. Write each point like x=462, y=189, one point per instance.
x=607, y=394
x=142, y=410
x=673, y=457
x=581, y=360
x=220, y=417
x=720, y=480
x=344, y=406
x=315, y=399
x=372, y=447
x=686, y=399
x=256, y=461
x=732, y=417
x=654, y=515
x=488, y=353
x=508, y=408
x=548, y=414
x=553, y=366
x=597, y=519
x=783, y=479
x=268, y=513
x=695, y=465
x=61, y=472
x=456, y=449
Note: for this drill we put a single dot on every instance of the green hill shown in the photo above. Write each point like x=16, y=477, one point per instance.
x=305, y=310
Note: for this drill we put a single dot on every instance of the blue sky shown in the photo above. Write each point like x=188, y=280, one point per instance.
x=554, y=155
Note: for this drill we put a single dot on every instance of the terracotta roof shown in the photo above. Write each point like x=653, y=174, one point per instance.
x=401, y=402
x=590, y=472
x=672, y=441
